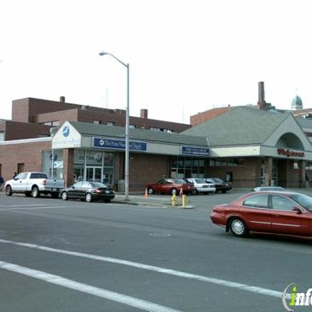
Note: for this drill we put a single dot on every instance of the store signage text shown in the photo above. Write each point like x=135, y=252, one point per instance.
x=119, y=144
x=288, y=153
x=195, y=151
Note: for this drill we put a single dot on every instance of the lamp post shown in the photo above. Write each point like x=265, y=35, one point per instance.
x=127, y=125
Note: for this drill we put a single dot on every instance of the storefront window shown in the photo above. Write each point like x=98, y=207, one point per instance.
x=108, y=159
x=226, y=162
x=186, y=167
x=94, y=158
x=52, y=163
x=94, y=166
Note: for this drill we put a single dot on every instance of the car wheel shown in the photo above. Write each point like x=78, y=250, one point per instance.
x=88, y=197
x=35, y=192
x=238, y=227
x=150, y=191
x=8, y=190
x=174, y=191
x=64, y=196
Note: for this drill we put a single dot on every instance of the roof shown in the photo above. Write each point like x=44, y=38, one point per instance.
x=239, y=126
x=88, y=129
x=304, y=122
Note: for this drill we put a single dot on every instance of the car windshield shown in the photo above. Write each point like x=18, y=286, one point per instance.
x=217, y=180
x=303, y=200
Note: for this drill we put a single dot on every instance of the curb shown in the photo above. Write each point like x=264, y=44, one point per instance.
x=138, y=201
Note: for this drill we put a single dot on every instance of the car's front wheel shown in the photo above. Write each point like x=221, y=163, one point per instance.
x=238, y=227
x=88, y=197
x=8, y=190
x=150, y=191
x=174, y=191
x=64, y=195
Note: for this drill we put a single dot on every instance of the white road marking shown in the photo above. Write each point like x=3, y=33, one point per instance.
x=85, y=288
x=20, y=207
x=211, y=280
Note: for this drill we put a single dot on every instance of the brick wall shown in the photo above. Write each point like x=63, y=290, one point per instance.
x=145, y=169
x=28, y=154
x=17, y=130
x=245, y=176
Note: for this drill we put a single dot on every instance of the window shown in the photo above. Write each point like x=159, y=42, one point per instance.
x=303, y=200
x=54, y=123
x=21, y=176
x=78, y=184
x=282, y=203
x=20, y=167
x=187, y=167
x=38, y=175
x=97, y=122
x=258, y=201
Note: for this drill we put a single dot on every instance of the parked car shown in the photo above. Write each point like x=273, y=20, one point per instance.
x=268, y=188
x=221, y=185
x=170, y=186
x=88, y=191
x=33, y=184
x=201, y=186
x=279, y=213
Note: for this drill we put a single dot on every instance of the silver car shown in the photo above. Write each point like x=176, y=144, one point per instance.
x=201, y=186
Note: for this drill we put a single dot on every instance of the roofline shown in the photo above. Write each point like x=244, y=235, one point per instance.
x=24, y=141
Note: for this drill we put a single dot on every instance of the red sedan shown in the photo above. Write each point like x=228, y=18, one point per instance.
x=170, y=186
x=280, y=213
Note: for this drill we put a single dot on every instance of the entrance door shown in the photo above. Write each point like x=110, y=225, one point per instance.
x=94, y=174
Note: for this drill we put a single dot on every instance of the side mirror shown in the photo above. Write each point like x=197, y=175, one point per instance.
x=297, y=210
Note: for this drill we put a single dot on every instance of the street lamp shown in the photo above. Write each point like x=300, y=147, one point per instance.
x=127, y=125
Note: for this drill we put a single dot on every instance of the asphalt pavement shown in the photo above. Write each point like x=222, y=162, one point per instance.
x=165, y=201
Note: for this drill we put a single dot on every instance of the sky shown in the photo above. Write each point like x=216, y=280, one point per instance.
x=184, y=56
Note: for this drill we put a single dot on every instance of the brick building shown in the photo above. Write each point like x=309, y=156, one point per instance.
x=250, y=145
x=30, y=142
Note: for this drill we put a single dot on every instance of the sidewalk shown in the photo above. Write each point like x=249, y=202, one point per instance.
x=150, y=200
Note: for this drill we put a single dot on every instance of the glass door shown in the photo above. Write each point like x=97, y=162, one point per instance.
x=94, y=174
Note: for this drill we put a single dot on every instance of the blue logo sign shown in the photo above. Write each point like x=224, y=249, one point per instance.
x=119, y=144
x=195, y=151
x=65, y=131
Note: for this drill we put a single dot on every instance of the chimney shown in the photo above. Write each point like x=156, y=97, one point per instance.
x=144, y=113
x=62, y=99
x=261, y=100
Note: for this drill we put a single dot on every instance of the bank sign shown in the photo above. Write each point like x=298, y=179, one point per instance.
x=195, y=151
x=116, y=144
x=66, y=137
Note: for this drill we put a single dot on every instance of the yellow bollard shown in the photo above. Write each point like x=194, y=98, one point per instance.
x=184, y=200
x=174, y=200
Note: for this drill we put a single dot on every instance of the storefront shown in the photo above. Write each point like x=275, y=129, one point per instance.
x=246, y=146
x=96, y=152
x=256, y=147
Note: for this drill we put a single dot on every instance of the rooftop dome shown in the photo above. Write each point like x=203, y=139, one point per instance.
x=296, y=103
